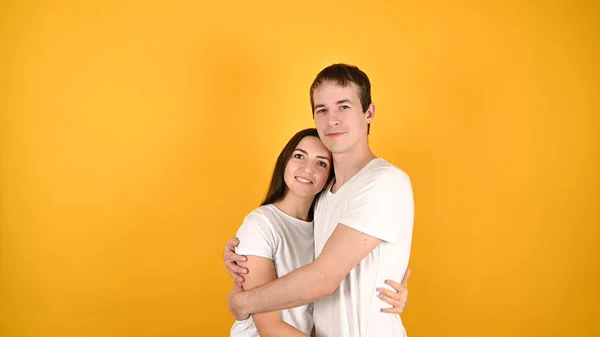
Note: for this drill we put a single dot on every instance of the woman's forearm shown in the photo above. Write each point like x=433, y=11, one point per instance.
x=280, y=328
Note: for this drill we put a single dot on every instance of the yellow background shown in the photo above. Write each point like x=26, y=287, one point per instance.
x=136, y=135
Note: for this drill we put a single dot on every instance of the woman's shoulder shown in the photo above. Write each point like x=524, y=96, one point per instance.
x=263, y=214
x=259, y=234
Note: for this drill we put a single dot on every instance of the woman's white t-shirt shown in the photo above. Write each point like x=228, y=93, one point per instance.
x=270, y=233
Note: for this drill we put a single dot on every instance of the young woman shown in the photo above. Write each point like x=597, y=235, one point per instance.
x=278, y=236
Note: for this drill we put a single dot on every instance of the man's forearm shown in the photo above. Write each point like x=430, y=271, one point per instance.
x=302, y=286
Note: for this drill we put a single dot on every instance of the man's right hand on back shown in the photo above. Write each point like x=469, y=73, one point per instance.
x=231, y=258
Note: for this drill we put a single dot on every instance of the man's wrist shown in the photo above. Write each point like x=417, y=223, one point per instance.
x=239, y=303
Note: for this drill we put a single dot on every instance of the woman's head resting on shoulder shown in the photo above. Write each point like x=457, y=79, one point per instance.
x=303, y=168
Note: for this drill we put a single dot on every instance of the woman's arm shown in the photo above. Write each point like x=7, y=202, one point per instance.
x=261, y=271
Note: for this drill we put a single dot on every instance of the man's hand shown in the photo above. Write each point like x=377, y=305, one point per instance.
x=396, y=298
x=231, y=302
x=231, y=258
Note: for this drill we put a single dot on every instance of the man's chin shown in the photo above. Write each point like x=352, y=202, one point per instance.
x=337, y=148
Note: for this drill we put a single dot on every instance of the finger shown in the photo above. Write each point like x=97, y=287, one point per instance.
x=230, y=255
x=233, y=257
x=234, y=268
x=390, y=293
x=232, y=243
x=228, y=246
x=238, y=278
x=405, y=278
x=395, y=310
x=229, y=251
x=389, y=299
x=397, y=286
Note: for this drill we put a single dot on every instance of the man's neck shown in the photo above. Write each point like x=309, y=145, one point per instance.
x=349, y=163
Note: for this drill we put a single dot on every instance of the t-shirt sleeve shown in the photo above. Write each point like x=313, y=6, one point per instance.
x=382, y=206
x=256, y=237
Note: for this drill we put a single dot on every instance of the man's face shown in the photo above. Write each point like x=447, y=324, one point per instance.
x=339, y=117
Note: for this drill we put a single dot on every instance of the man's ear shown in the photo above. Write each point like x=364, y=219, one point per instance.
x=370, y=113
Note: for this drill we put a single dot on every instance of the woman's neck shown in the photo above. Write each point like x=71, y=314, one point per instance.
x=295, y=206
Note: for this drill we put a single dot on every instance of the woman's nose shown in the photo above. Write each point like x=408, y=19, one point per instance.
x=308, y=169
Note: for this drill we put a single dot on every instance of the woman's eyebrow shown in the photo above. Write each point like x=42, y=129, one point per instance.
x=299, y=149
x=324, y=158
x=306, y=153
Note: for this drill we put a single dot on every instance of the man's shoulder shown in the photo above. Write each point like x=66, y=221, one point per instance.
x=381, y=171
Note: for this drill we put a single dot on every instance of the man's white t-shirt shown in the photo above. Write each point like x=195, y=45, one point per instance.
x=378, y=201
x=289, y=242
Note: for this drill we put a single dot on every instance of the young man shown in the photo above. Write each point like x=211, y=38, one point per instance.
x=363, y=222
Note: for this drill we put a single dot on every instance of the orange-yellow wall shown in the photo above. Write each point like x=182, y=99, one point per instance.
x=135, y=136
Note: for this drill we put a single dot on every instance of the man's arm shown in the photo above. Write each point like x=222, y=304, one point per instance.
x=268, y=324
x=396, y=298
x=381, y=209
x=344, y=249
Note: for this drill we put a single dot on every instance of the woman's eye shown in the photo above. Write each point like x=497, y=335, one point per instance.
x=298, y=156
x=323, y=164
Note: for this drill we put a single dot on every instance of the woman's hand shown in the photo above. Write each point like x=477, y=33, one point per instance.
x=397, y=299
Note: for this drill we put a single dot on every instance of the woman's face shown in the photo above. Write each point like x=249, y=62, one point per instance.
x=308, y=169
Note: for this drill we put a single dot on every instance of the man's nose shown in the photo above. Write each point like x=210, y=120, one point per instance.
x=333, y=120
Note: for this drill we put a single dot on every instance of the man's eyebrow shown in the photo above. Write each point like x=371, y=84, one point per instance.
x=338, y=102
